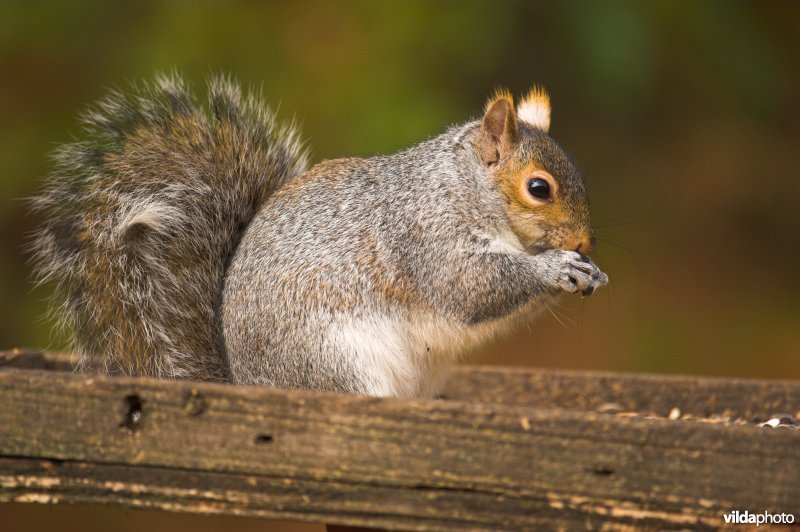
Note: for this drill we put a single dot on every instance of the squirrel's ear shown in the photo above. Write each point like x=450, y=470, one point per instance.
x=534, y=109
x=499, y=130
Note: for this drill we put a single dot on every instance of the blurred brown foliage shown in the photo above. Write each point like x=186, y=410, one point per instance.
x=682, y=115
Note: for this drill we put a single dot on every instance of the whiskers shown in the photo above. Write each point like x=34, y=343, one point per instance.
x=602, y=263
x=605, y=238
x=559, y=317
x=613, y=223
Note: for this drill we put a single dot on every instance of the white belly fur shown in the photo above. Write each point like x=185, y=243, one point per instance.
x=408, y=357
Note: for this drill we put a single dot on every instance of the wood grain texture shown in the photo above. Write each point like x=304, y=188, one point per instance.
x=572, y=390
x=643, y=393
x=416, y=465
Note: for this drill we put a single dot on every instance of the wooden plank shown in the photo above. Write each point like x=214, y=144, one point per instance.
x=417, y=465
x=750, y=399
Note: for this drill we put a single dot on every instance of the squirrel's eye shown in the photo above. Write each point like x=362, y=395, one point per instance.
x=539, y=188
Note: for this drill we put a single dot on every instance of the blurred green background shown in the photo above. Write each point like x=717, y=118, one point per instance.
x=684, y=117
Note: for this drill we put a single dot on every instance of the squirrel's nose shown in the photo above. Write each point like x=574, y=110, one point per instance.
x=585, y=245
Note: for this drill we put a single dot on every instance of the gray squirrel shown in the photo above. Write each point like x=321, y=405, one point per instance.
x=193, y=242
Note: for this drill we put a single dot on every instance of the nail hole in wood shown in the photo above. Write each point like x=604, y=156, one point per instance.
x=263, y=438
x=603, y=471
x=133, y=413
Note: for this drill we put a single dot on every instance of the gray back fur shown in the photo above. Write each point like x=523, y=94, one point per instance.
x=379, y=241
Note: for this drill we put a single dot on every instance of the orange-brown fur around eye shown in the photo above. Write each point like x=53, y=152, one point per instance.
x=530, y=222
x=525, y=151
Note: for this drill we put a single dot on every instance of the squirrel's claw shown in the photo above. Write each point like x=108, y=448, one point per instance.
x=575, y=272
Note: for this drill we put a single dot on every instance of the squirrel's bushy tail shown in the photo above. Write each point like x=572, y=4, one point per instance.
x=141, y=220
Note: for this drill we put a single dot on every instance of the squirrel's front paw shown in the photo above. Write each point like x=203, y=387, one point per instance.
x=574, y=272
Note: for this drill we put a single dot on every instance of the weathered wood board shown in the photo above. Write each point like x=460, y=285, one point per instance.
x=508, y=449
